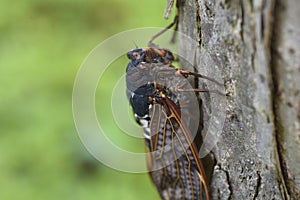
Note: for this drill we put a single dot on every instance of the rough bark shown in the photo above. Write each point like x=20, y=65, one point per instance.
x=254, y=45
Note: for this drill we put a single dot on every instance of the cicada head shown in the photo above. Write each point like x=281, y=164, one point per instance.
x=136, y=56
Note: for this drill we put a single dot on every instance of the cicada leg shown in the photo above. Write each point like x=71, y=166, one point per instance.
x=201, y=90
x=156, y=47
x=188, y=73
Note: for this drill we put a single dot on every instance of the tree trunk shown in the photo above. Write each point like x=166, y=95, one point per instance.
x=255, y=46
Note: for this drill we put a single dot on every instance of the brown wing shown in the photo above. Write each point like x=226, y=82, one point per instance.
x=176, y=169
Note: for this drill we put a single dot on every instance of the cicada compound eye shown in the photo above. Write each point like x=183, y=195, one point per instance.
x=136, y=55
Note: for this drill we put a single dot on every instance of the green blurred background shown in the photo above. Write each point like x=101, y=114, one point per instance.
x=42, y=45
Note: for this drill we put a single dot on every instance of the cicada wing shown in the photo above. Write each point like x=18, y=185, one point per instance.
x=176, y=169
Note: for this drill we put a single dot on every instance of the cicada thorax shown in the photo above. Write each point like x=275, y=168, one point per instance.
x=154, y=55
x=139, y=75
x=146, y=78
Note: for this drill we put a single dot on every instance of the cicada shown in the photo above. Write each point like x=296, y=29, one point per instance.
x=159, y=95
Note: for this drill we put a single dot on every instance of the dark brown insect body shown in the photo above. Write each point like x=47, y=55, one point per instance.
x=154, y=88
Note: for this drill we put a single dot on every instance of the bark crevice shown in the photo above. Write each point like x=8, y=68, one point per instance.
x=258, y=184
